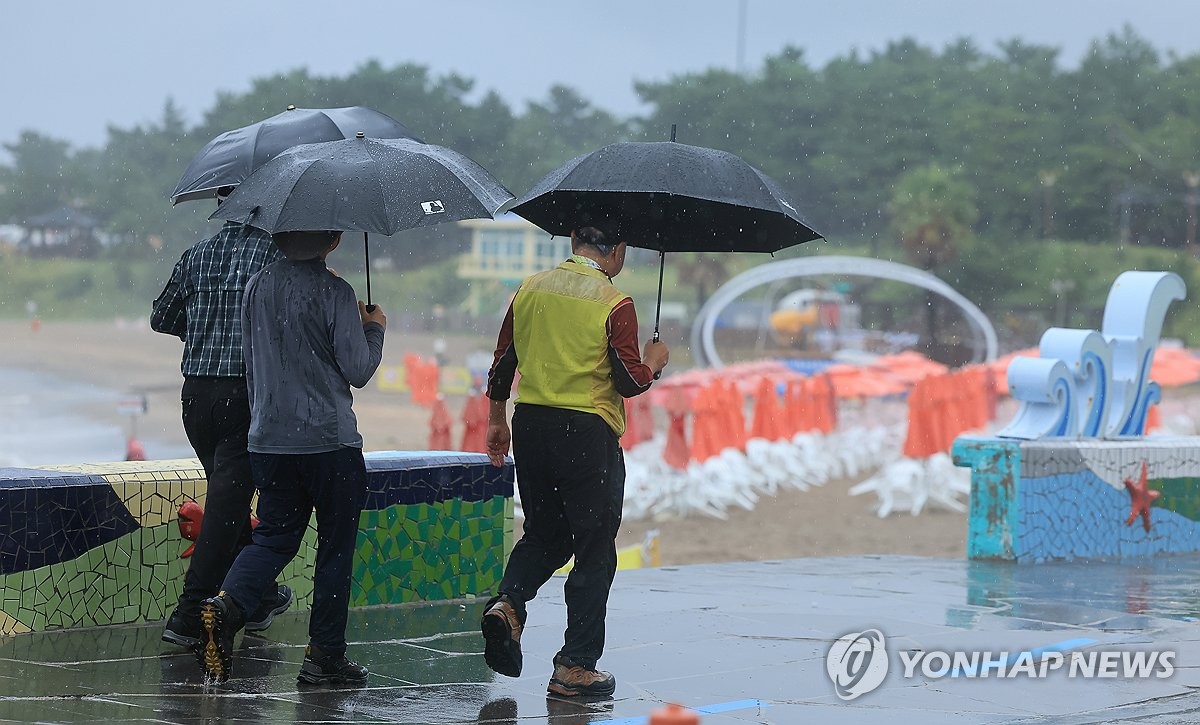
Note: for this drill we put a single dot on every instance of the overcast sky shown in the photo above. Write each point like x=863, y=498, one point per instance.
x=70, y=69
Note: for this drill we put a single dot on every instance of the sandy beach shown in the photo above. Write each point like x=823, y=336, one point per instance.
x=122, y=357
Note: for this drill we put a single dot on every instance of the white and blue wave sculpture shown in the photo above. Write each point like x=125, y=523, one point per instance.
x=1089, y=384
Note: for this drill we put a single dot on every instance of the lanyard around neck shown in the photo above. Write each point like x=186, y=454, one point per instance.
x=580, y=259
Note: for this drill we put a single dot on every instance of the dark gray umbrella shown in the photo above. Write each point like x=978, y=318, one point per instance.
x=670, y=197
x=364, y=185
x=229, y=158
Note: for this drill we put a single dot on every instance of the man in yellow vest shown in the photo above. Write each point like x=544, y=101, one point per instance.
x=573, y=336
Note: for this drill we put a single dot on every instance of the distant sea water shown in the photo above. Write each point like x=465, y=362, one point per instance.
x=42, y=423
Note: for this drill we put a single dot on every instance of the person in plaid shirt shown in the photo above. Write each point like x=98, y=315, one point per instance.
x=201, y=305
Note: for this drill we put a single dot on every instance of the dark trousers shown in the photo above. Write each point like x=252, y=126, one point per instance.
x=216, y=418
x=289, y=488
x=571, y=476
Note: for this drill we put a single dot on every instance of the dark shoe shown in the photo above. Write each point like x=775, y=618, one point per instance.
x=220, y=620
x=276, y=603
x=501, y=627
x=572, y=680
x=182, y=630
x=318, y=669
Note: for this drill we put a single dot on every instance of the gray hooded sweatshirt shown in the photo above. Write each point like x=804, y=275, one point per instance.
x=304, y=345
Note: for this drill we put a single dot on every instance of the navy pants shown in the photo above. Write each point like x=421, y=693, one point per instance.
x=571, y=476
x=216, y=417
x=290, y=487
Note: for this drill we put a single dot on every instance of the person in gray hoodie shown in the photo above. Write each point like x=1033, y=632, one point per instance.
x=305, y=344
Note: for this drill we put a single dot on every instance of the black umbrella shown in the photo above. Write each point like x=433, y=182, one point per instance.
x=229, y=158
x=364, y=185
x=670, y=197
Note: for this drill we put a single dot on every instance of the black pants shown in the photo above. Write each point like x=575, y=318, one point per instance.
x=216, y=417
x=571, y=476
x=289, y=488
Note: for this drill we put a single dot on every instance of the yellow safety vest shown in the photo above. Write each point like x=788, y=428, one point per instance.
x=560, y=333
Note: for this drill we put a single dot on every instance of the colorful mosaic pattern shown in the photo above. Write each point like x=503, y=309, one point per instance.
x=1042, y=500
x=98, y=544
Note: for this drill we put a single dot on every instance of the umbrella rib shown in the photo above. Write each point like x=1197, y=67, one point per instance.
x=254, y=147
x=382, y=195
x=308, y=164
x=460, y=170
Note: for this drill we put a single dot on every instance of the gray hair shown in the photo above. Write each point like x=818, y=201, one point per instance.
x=597, y=238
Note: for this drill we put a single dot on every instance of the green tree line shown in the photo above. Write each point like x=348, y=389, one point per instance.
x=1105, y=151
x=925, y=149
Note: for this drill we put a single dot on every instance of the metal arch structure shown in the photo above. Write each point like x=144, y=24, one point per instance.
x=984, y=334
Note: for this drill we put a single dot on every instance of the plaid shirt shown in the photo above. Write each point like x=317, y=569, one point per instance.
x=202, y=302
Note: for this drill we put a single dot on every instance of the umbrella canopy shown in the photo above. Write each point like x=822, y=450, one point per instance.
x=364, y=185
x=668, y=196
x=231, y=157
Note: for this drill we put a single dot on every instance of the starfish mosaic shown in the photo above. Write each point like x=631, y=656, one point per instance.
x=1140, y=498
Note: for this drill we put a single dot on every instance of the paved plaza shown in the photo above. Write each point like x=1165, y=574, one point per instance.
x=741, y=643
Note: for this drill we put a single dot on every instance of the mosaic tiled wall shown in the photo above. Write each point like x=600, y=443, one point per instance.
x=1044, y=500
x=99, y=544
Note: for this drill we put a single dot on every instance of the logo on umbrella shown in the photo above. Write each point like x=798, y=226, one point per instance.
x=433, y=207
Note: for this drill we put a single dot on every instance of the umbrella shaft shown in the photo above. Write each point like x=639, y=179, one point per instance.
x=662, y=263
x=367, y=260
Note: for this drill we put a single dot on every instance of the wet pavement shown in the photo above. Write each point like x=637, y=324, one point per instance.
x=742, y=643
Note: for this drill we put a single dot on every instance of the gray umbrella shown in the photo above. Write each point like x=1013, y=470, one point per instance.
x=229, y=158
x=364, y=185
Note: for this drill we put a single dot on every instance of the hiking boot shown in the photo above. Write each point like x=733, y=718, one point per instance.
x=319, y=669
x=572, y=680
x=275, y=603
x=220, y=620
x=501, y=627
x=182, y=630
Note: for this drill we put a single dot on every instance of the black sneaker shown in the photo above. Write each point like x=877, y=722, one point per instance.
x=220, y=620
x=182, y=630
x=501, y=626
x=318, y=669
x=572, y=680
x=275, y=603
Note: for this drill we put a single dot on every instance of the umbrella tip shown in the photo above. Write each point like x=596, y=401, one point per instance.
x=360, y=134
x=291, y=107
